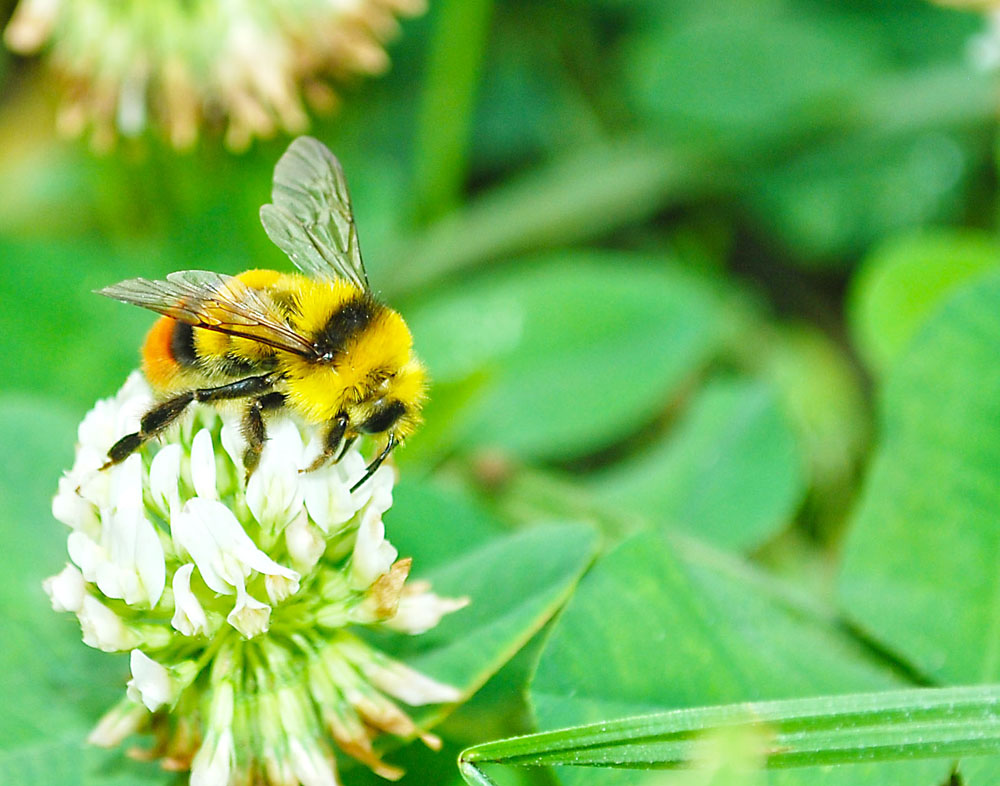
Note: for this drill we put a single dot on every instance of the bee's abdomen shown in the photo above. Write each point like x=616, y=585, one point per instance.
x=167, y=352
x=182, y=345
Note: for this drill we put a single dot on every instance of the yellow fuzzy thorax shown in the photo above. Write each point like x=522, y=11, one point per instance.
x=376, y=364
x=361, y=372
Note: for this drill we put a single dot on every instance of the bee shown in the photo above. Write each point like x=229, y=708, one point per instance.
x=318, y=343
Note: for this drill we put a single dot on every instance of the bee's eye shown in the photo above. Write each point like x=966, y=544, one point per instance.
x=382, y=419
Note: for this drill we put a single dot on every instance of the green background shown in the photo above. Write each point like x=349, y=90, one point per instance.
x=709, y=291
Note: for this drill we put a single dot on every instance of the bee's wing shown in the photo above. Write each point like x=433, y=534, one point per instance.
x=212, y=301
x=310, y=217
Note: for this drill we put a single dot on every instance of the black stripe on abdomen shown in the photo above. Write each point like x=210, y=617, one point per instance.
x=350, y=320
x=182, y=345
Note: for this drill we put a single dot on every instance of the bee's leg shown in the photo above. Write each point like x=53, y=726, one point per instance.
x=345, y=447
x=254, y=431
x=151, y=424
x=165, y=413
x=371, y=468
x=332, y=440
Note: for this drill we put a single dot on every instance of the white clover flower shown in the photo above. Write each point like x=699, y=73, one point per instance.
x=242, y=64
x=234, y=602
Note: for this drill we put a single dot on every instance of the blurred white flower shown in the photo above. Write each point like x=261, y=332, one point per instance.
x=151, y=683
x=66, y=589
x=244, y=65
x=234, y=601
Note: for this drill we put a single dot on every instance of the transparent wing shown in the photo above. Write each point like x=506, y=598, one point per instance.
x=310, y=217
x=212, y=301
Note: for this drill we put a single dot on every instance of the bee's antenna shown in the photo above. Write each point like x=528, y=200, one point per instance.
x=370, y=470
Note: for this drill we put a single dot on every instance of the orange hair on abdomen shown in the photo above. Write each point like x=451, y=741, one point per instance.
x=158, y=362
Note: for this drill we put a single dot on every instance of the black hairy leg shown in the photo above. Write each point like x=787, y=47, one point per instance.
x=166, y=412
x=345, y=447
x=331, y=442
x=371, y=468
x=254, y=430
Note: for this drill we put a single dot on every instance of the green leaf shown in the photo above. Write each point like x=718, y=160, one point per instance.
x=822, y=392
x=581, y=195
x=583, y=347
x=449, y=94
x=514, y=583
x=725, y=73
x=833, y=200
x=730, y=471
x=53, y=688
x=435, y=525
x=865, y=727
x=904, y=279
x=647, y=631
x=919, y=573
x=57, y=332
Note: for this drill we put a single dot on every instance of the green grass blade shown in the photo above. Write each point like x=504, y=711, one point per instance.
x=883, y=726
x=450, y=89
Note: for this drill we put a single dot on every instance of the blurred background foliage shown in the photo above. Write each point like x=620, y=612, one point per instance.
x=662, y=259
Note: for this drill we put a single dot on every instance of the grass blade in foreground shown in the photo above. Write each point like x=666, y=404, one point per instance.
x=883, y=726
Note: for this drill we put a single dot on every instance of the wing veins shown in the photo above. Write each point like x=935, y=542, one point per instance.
x=310, y=216
x=200, y=298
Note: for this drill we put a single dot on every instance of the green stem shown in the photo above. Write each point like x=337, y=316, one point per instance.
x=450, y=86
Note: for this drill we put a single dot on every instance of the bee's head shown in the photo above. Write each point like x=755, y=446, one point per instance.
x=395, y=405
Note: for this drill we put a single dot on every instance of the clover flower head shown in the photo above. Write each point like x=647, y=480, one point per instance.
x=245, y=64
x=239, y=604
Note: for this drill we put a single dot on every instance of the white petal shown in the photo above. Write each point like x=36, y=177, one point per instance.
x=382, y=480
x=189, y=617
x=136, y=571
x=150, y=562
x=130, y=563
x=164, y=476
x=234, y=444
x=66, y=589
x=411, y=686
x=72, y=509
x=126, y=484
x=98, y=430
x=418, y=613
x=113, y=418
x=273, y=492
x=249, y=616
x=103, y=629
x=132, y=401
x=311, y=767
x=191, y=534
x=203, y=465
x=278, y=587
x=221, y=525
x=122, y=720
x=305, y=543
x=94, y=484
x=116, y=583
x=85, y=553
x=373, y=554
x=214, y=762
x=151, y=683
x=327, y=491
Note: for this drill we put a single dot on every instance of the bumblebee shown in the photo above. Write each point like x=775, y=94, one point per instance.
x=319, y=345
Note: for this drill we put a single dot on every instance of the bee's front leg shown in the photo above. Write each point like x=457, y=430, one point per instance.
x=331, y=442
x=254, y=430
